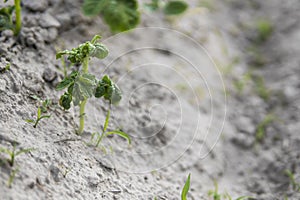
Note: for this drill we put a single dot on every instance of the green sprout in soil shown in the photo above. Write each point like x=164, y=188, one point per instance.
x=295, y=185
x=5, y=69
x=240, y=84
x=175, y=7
x=13, y=154
x=186, y=188
x=120, y=15
x=6, y=21
x=81, y=85
x=105, y=133
x=261, y=127
x=261, y=88
x=264, y=30
x=12, y=177
x=217, y=196
x=40, y=111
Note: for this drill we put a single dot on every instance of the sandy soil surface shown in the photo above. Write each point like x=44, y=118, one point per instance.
x=212, y=92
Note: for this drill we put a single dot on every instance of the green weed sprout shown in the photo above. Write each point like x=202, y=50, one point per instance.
x=106, y=133
x=214, y=193
x=261, y=127
x=41, y=109
x=12, y=177
x=82, y=85
x=217, y=196
x=175, y=7
x=264, y=28
x=186, y=188
x=13, y=154
x=5, y=69
x=295, y=185
x=6, y=21
x=120, y=15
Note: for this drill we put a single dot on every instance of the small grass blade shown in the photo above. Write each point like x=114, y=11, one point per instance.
x=120, y=133
x=186, y=188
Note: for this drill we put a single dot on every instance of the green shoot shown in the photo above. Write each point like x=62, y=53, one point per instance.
x=240, y=84
x=106, y=133
x=6, y=68
x=260, y=88
x=82, y=85
x=216, y=196
x=120, y=15
x=264, y=30
x=261, y=127
x=12, y=177
x=214, y=193
x=175, y=7
x=295, y=185
x=13, y=154
x=186, y=188
x=39, y=117
x=6, y=21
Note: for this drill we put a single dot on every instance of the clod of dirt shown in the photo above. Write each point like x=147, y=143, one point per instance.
x=55, y=173
x=48, y=21
x=49, y=75
x=40, y=5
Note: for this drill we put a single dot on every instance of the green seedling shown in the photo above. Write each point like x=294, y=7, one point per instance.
x=214, y=193
x=264, y=30
x=105, y=133
x=240, y=84
x=186, y=188
x=175, y=7
x=120, y=15
x=81, y=85
x=5, y=69
x=12, y=177
x=261, y=88
x=13, y=154
x=39, y=117
x=261, y=127
x=6, y=21
x=295, y=185
x=217, y=196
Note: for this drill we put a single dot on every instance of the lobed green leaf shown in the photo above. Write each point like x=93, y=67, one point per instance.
x=65, y=100
x=84, y=87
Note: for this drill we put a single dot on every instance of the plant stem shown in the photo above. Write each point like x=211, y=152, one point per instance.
x=18, y=17
x=85, y=66
x=81, y=117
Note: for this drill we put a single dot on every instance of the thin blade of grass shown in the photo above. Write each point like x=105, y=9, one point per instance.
x=186, y=188
x=120, y=133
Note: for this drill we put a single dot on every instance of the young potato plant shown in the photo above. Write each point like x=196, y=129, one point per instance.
x=41, y=111
x=6, y=21
x=175, y=7
x=105, y=133
x=120, y=15
x=81, y=85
